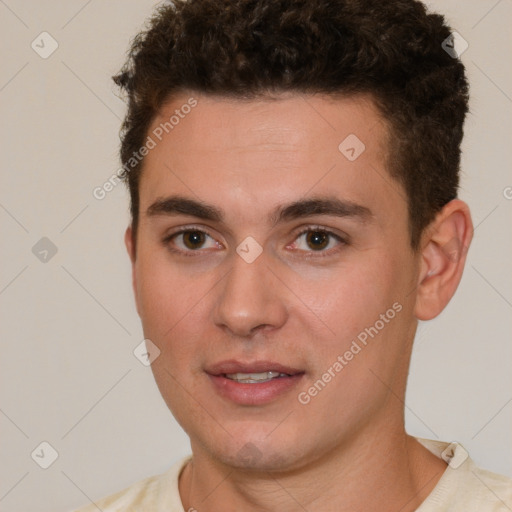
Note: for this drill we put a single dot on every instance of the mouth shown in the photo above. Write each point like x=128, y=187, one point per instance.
x=253, y=383
x=255, y=378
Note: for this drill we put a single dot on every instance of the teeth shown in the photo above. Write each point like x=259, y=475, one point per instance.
x=251, y=378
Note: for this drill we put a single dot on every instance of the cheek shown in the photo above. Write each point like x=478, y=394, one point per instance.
x=162, y=295
x=366, y=311
x=351, y=298
x=157, y=298
x=173, y=307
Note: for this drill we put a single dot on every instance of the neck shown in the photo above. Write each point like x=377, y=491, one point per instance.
x=376, y=471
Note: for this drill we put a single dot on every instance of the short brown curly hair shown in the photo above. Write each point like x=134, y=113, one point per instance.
x=389, y=49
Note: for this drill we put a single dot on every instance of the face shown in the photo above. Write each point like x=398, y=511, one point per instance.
x=268, y=241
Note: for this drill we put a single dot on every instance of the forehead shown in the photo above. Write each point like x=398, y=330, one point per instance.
x=253, y=154
x=288, y=120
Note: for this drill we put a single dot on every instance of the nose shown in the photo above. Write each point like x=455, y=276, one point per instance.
x=251, y=299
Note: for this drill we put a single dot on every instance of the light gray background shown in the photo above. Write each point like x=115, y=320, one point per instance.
x=69, y=326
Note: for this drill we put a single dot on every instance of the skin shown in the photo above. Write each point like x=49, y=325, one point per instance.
x=295, y=304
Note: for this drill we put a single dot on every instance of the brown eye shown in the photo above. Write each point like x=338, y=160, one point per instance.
x=193, y=239
x=317, y=240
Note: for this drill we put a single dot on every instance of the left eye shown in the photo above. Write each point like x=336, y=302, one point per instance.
x=316, y=240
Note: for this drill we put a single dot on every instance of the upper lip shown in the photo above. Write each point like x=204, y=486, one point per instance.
x=233, y=366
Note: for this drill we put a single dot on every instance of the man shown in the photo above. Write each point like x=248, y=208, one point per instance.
x=293, y=169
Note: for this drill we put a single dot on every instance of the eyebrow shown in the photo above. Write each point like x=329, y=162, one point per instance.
x=179, y=205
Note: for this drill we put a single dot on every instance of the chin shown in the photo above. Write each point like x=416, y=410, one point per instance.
x=257, y=453
x=252, y=458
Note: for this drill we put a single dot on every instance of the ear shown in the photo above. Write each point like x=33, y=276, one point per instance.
x=444, y=247
x=130, y=247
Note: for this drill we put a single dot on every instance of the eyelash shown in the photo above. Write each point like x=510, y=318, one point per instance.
x=317, y=254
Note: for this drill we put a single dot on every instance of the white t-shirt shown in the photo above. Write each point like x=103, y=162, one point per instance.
x=462, y=488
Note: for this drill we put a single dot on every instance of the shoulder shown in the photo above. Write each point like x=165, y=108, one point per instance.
x=476, y=489
x=464, y=487
x=487, y=489
x=158, y=492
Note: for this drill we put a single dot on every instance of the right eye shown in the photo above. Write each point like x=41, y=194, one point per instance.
x=189, y=240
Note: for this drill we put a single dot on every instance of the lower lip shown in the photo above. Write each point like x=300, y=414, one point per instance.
x=254, y=394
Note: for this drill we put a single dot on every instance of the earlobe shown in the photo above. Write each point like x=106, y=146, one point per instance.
x=130, y=247
x=129, y=243
x=443, y=255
